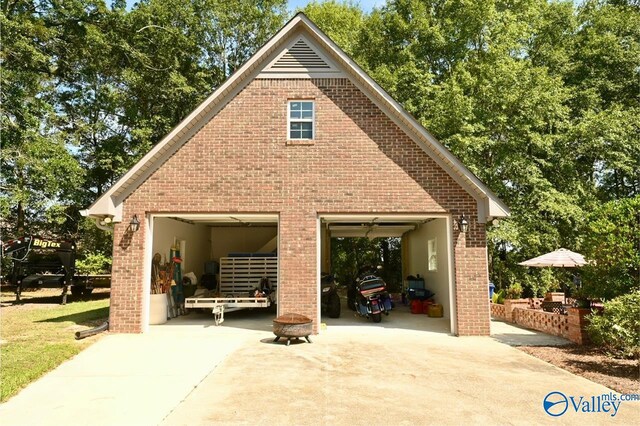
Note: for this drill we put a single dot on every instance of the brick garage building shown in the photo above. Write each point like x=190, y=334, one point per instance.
x=301, y=134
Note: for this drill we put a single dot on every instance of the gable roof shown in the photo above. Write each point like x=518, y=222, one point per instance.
x=289, y=54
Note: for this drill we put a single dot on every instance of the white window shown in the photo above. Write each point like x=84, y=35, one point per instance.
x=432, y=255
x=300, y=121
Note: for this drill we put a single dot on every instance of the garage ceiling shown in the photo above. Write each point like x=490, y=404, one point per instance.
x=372, y=226
x=230, y=219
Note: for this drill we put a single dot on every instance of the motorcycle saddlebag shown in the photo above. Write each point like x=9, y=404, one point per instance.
x=362, y=309
x=387, y=303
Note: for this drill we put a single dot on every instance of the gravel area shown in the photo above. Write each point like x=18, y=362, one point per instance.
x=621, y=375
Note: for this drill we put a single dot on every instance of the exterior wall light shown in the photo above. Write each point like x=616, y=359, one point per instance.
x=134, y=225
x=463, y=224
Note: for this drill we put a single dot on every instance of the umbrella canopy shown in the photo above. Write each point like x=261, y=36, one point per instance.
x=561, y=258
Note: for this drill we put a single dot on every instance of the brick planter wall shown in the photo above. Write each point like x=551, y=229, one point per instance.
x=547, y=322
x=535, y=302
x=497, y=311
x=518, y=311
x=511, y=304
x=577, y=325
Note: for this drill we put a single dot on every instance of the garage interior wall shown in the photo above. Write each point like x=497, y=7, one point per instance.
x=417, y=261
x=197, y=242
x=248, y=239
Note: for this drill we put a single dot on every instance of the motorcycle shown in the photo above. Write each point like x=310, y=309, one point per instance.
x=368, y=296
x=329, y=298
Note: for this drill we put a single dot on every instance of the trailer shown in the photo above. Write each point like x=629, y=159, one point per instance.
x=247, y=281
x=220, y=305
x=48, y=263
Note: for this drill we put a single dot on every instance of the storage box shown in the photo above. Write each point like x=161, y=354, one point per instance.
x=435, y=310
x=417, y=283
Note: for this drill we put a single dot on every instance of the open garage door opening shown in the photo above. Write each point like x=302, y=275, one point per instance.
x=412, y=255
x=223, y=268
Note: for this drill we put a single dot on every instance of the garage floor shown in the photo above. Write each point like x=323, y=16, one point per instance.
x=261, y=320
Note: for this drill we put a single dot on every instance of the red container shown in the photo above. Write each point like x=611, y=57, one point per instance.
x=416, y=306
x=425, y=306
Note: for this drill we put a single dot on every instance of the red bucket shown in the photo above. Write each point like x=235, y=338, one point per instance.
x=416, y=306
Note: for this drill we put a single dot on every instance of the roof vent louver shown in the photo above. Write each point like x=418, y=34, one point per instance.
x=300, y=56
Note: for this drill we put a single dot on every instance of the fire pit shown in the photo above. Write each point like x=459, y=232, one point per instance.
x=292, y=326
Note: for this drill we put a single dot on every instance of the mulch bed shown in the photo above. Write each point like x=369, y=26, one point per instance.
x=621, y=375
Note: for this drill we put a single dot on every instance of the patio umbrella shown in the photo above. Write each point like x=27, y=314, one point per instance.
x=561, y=258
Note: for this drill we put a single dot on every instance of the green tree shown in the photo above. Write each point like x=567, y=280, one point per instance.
x=529, y=96
x=612, y=244
x=349, y=255
x=37, y=173
x=343, y=22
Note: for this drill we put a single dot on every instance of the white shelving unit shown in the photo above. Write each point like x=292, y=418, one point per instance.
x=240, y=275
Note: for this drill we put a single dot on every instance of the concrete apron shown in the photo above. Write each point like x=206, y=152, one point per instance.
x=124, y=378
x=190, y=373
x=371, y=375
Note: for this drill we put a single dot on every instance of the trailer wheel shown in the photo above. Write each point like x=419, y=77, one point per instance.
x=86, y=291
x=333, y=306
x=351, y=297
x=77, y=290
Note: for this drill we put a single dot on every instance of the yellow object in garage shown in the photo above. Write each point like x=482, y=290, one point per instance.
x=435, y=310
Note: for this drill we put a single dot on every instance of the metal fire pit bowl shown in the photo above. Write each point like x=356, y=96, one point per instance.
x=292, y=326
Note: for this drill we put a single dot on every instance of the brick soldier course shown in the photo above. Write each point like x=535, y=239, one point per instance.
x=359, y=161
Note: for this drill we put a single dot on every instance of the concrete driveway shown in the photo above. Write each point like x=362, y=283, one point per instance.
x=189, y=373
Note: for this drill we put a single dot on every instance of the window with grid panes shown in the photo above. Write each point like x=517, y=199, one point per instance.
x=301, y=118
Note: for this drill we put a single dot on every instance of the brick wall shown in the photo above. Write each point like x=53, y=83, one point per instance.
x=519, y=311
x=547, y=322
x=578, y=325
x=359, y=162
x=497, y=311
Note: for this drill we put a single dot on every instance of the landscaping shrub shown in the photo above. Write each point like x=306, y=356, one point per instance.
x=514, y=291
x=498, y=297
x=618, y=328
x=612, y=244
x=93, y=263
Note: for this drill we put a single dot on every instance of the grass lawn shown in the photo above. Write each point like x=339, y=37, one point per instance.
x=38, y=335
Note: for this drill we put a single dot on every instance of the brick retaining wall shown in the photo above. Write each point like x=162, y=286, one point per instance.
x=518, y=311
x=547, y=322
x=497, y=311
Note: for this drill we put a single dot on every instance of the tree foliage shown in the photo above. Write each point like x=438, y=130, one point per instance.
x=349, y=255
x=538, y=98
x=87, y=89
x=612, y=243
